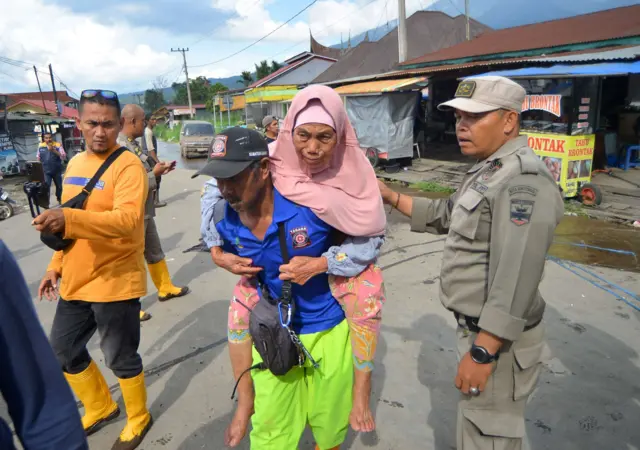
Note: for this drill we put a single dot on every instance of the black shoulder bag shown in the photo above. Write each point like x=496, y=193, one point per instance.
x=56, y=241
x=270, y=327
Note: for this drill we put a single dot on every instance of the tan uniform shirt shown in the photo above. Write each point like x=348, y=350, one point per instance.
x=134, y=147
x=500, y=225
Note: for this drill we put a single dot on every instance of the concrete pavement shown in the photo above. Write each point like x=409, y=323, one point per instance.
x=588, y=397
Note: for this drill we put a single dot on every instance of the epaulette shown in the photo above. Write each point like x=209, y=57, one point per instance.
x=528, y=162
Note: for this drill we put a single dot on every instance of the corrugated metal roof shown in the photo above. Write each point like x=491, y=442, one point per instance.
x=67, y=112
x=427, y=31
x=621, y=53
x=599, y=26
x=375, y=87
x=286, y=69
x=605, y=54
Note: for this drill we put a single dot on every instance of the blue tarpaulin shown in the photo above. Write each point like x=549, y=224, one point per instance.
x=563, y=70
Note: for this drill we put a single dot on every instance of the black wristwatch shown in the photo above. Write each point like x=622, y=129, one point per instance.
x=481, y=355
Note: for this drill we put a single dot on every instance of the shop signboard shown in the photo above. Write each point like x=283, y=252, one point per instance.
x=568, y=158
x=8, y=156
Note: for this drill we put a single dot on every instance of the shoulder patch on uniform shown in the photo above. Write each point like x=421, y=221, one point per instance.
x=523, y=190
x=479, y=187
x=219, y=211
x=521, y=211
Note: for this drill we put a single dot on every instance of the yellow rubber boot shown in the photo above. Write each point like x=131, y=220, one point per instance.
x=92, y=390
x=144, y=316
x=139, y=420
x=161, y=278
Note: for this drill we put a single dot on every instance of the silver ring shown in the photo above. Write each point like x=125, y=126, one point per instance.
x=474, y=391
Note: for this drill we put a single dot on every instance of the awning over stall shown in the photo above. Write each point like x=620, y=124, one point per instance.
x=562, y=70
x=382, y=86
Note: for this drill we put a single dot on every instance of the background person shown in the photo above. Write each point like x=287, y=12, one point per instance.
x=51, y=154
x=150, y=148
x=271, y=127
x=104, y=295
x=132, y=129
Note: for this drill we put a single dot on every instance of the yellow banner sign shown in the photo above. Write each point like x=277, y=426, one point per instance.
x=568, y=158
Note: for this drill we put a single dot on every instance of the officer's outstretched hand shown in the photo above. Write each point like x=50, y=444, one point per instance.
x=234, y=263
x=50, y=221
x=471, y=374
x=302, y=268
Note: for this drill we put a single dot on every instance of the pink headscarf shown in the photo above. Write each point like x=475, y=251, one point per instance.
x=345, y=195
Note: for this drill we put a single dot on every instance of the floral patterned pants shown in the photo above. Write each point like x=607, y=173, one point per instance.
x=361, y=298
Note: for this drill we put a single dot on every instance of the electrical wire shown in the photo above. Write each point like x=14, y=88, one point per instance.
x=318, y=31
x=208, y=35
x=571, y=267
x=259, y=40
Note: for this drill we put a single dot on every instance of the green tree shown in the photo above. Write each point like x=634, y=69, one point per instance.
x=246, y=78
x=153, y=100
x=275, y=66
x=213, y=90
x=262, y=70
x=199, y=91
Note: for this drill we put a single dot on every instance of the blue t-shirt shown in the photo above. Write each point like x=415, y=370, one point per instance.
x=306, y=235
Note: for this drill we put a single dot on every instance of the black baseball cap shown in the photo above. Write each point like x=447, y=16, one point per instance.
x=232, y=151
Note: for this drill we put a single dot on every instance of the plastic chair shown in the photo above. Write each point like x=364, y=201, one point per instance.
x=629, y=159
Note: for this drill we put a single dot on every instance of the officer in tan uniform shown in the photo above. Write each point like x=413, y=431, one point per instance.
x=133, y=128
x=499, y=226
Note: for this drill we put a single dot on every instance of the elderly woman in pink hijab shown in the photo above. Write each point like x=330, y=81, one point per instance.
x=317, y=162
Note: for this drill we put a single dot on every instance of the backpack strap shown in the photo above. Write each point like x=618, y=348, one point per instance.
x=103, y=168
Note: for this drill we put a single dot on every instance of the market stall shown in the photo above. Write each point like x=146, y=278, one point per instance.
x=558, y=117
x=561, y=115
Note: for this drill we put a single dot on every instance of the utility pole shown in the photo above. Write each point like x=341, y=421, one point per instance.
x=44, y=105
x=53, y=85
x=466, y=13
x=402, y=31
x=184, y=58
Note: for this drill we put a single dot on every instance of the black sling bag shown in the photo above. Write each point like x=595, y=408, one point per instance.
x=270, y=327
x=56, y=241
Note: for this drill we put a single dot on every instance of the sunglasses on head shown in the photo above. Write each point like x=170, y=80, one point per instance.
x=91, y=93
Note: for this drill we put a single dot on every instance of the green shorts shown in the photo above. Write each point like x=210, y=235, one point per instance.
x=321, y=398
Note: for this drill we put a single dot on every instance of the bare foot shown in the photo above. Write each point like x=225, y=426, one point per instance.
x=237, y=429
x=361, y=417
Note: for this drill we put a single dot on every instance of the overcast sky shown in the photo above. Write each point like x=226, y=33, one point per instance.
x=124, y=45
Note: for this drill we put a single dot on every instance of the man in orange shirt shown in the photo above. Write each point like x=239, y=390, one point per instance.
x=103, y=273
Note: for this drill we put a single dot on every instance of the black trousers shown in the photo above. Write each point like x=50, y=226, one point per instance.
x=57, y=180
x=118, y=324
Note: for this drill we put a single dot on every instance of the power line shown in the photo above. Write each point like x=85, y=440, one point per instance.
x=455, y=6
x=318, y=31
x=208, y=35
x=261, y=39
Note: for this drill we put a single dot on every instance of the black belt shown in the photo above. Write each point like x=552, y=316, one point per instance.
x=472, y=323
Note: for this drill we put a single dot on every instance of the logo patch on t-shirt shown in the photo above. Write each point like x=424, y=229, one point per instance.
x=219, y=147
x=82, y=181
x=300, y=237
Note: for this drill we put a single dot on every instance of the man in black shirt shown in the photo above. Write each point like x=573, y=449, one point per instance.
x=271, y=128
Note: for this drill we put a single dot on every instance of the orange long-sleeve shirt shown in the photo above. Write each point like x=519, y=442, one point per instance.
x=106, y=262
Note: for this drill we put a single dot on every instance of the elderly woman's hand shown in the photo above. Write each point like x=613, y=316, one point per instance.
x=302, y=268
